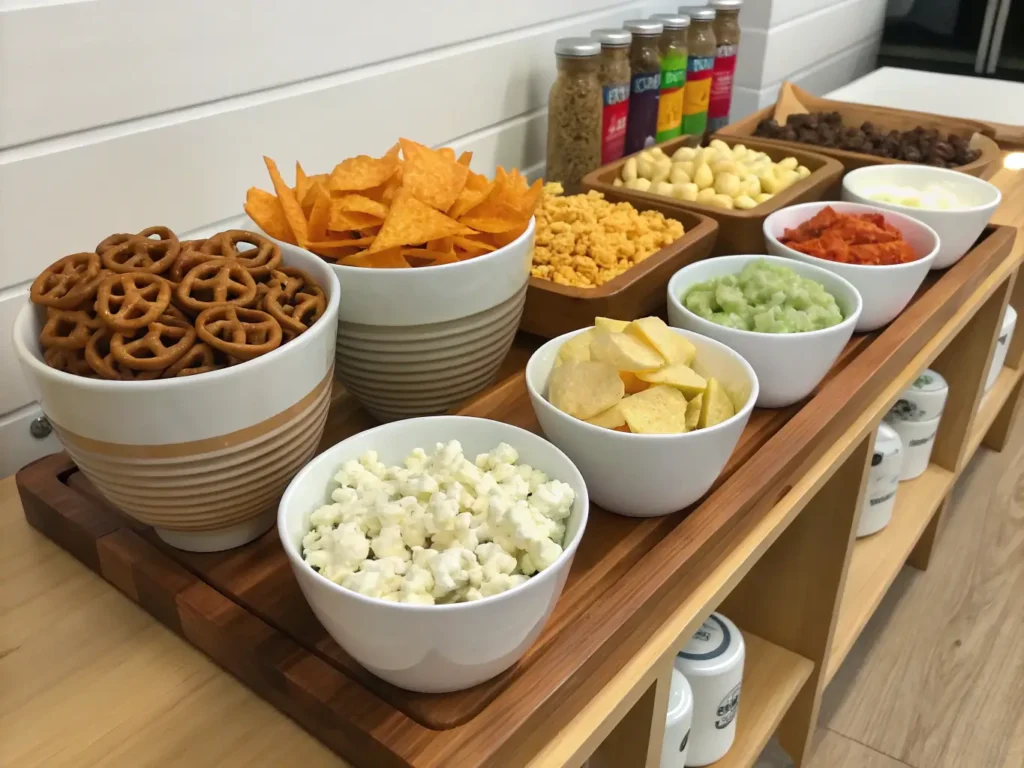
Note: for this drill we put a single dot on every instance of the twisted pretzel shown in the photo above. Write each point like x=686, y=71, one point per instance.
x=67, y=282
x=217, y=282
x=306, y=308
x=101, y=360
x=140, y=254
x=127, y=302
x=69, y=329
x=259, y=260
x=166, y=340
x=199, y=359
x=68, y=360
x=187, y=259
x=112, y=241
x=239, y=332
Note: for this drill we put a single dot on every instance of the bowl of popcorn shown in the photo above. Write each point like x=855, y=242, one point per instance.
x=956, y=205
x=434, y=549
x=735, y=183
x=650, y=414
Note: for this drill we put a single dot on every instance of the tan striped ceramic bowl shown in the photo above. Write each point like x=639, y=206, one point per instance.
x=203, y=459
x=416, y=342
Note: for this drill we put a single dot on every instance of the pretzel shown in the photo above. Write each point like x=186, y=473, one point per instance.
x=100, y=360
x=112, y=241
x=260, y=260
x=67, y=282
x=239, y=332
x=133, y=300
x=187, y=259
x=68, y=360
x=140, y=254
x=150, y=350
x=68, y=328
x=199, y=359
x=213, y=283
x=296, y=316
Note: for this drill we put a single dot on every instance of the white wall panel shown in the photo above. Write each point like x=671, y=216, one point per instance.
x=766, y=14
x=17, y=446
x=13, y=389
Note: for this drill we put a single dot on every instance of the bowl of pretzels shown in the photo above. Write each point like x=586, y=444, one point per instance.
x=189, y=380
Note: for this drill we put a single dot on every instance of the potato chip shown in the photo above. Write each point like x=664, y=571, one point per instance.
x=360, y=204
x=411, y=222
x=266, y=210
x=674, y=347
x=623, y=352
x=632, y=382
x=363, y=172
x=292, y=210
x=693, y=409
x=316, y=229
x=659, y=410
x=679, y=376
x=432, y=177
x=577, y=348
x=717, y=406
x=391, y=258
x=611, y=324
x=584, y=388
x=610, y=419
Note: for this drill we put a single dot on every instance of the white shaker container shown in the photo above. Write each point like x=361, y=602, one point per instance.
x=883, y=481
x=915, y=417
x=713, y=665
x=677, y=723
x=1002, y=346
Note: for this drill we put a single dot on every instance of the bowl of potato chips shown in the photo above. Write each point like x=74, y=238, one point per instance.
x=433, y=261
x=650, y=414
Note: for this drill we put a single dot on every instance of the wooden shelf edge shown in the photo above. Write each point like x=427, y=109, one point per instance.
x=772, y=677
x=876, y=559
x=992, y=403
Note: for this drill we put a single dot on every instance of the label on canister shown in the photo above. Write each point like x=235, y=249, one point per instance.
x=697, y=93
x=721, y=87
x=670, y=99
x=614, y=113
x=642, y=124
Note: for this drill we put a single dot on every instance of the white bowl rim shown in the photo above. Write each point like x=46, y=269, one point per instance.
x=567, y=552
x=481, y=259
x=867, y=170
x=746, y=258
x=863, y=208
x=744, y=412
x=40, y=368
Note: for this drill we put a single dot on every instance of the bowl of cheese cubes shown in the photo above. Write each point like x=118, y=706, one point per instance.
x=957, y=206
x=789, y=319
x=434, y=549
x=650, y=414
x=738, y=184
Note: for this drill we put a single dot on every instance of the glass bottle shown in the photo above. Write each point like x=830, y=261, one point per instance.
x=645, y=82
x=574, y=111
x=727, y=37
x=672, y=47
x=701, y=44
x=613, y=73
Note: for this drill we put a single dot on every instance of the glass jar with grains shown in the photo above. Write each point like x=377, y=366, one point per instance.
x=574, y=111
x=673, y=73
x=614, y=76
x=727, y=37
x=701, y=60
x=645, y=82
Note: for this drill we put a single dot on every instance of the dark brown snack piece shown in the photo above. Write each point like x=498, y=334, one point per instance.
x=69, y=328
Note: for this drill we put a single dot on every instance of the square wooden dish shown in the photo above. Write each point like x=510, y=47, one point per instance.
x=553, y=309
x=793, y=100
x=738, y=231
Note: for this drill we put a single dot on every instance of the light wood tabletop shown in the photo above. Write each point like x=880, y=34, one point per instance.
x=87, y=678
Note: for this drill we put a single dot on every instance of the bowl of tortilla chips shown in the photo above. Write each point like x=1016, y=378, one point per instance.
x=433, y=261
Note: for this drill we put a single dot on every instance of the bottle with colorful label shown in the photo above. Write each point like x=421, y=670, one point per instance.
x=699, y=67
x=645, y=84
x=727, y=36
x=614, y=74
x=672, y=47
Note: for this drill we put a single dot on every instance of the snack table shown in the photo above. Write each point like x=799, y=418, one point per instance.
x=87, y=677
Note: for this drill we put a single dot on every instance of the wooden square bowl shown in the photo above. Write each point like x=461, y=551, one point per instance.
x=553, y=309
x=739, y=231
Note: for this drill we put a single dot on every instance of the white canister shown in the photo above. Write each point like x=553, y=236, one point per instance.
x=713, y=665
x=923, y=401
x=677, y=723
x=918, y=440
x=883, y=481
x=1002, y=345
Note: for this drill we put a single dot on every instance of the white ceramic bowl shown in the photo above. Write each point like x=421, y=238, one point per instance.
x=447, y=328
x=957, y=228
x=647, y=475
x=203, y=459
x=788, y=365
x=885, y=290
x=431, y=648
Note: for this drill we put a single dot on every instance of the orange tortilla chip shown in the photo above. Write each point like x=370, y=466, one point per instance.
x=302, y=182
x=390, y=258
x=465, y=158
x=361, y=204
x=468, y=198
x=363, y=172
x=444, y=258
x=292, y=209
x=469, y=244
x=266, y=211
x=316, y=228
x=341, y=220
x=432, y=177
x=411, y=221
x=447, y=153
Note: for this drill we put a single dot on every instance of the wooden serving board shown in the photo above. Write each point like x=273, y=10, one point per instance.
x=243, y=607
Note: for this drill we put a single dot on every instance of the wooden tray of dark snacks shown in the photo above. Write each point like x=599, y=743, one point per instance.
x=796, y=101
x=244, y=609
x=739, y=231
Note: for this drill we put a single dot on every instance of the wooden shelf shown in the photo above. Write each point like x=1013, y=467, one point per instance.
x=876, y=559
x=772, y=677
x=991, y=403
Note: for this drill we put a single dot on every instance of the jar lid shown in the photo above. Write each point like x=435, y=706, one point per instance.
x=725, y=5
x=643, y=27
x=680, y=696
x=714, y=648
x=672, y=20
x=929, y=381
x=577, y=47
x=612, y=38
x=698, y=14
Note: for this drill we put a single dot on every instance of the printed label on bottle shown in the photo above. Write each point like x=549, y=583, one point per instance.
x=613, y=121
x=727, y=708
x=721, y=87
x=642, y=124
x=697, y=93
x=670, y=99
